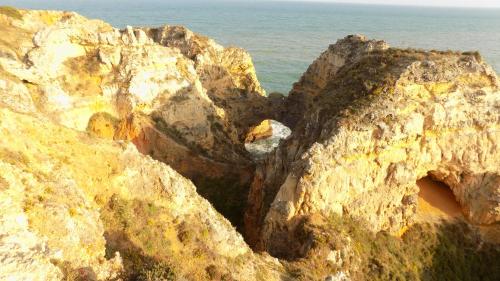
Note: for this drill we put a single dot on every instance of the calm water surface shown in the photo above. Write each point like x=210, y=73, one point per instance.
x=285, y=37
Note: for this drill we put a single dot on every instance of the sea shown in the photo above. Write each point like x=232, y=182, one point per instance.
x=285, y=37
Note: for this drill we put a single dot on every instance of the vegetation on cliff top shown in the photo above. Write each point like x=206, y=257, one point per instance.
x=157, y=247
x=445, y=251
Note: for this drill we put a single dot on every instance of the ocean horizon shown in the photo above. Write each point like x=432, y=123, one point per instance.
x=283, y=38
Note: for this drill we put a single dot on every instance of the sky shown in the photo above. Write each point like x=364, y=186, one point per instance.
x=445, y=3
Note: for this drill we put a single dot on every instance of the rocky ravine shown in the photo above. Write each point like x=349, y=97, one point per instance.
x=76, y=205
x=100, y=125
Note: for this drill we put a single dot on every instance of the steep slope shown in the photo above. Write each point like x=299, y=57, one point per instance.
x=86, y=112
x=74, y=205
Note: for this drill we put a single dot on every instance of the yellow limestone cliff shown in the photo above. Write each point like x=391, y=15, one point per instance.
x=79, y=207
x=372, y=120
x=180, y=97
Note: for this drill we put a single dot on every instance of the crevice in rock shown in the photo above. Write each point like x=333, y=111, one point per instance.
x=366, y=121
x=224, y=184
x=227, y=195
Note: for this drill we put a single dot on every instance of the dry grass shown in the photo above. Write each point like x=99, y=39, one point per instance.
x=83, y=76
x=11, y=12
x=152, y=244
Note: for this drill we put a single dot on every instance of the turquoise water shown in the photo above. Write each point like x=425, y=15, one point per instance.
x=285, y=37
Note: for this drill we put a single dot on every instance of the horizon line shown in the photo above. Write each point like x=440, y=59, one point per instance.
x=330, y=2
x=385, y=4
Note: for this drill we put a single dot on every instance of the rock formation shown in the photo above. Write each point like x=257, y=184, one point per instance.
x=77, y=206
x=198, y=101
x=103, y=129
x=322, y=71
x=368, y=122
x=227, y=74
x=93, y=206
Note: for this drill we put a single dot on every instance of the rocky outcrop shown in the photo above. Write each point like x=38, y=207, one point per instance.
x=227, y=74
x=376, y=120
x=79, y=207
x=201, y=101
x=81, y=67
x=303, y=96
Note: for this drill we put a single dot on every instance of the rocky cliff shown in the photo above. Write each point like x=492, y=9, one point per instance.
x=103, y=129
x=179, y=96
x=80, y=207
x=98, y=209
x=370, y=121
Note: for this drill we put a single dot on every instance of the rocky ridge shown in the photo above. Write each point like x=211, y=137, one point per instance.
x=93, y=206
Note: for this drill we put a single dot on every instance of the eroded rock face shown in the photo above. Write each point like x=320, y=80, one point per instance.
x=302, y=98
x=367, y=120
x=81, y=67
x=87, y=205
x=97, y=209
x=378, y=119
x=201, y=100
x=227, y=74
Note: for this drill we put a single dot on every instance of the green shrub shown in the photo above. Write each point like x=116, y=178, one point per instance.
x=156, y=272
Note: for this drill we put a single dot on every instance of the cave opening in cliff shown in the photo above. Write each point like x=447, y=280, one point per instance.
x=259, y=147
x=436, y=199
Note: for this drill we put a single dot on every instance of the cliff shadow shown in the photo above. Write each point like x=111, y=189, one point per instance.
x=444, y=250
x=459, y=253
x=221, y=174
